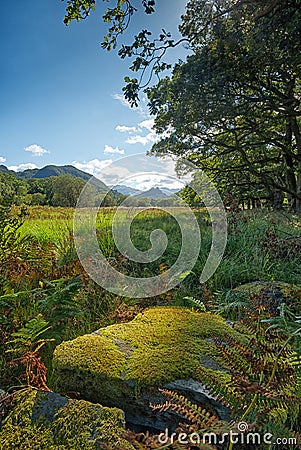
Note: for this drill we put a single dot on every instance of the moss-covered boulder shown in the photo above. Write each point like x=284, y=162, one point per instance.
x=123, y=364
x=272, y=294
x=40, y=420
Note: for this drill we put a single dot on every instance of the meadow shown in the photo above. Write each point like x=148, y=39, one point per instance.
x=261, y=245
x=47, y=297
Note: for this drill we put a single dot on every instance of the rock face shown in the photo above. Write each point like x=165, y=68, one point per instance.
x=47, y=421
x=123, y=365
x=272, y=294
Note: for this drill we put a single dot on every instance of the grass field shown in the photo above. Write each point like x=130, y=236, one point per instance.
x=46, y=295
x=261, y=245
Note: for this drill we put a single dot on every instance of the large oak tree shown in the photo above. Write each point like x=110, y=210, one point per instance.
x=233, y=108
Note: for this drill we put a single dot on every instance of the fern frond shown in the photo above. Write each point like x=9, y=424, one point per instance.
x=234, y=358
x=197, y=415
x=219, y=390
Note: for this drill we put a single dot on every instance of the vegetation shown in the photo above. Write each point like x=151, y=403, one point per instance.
x=61, y=423
x=232, y=108
x=54, y=301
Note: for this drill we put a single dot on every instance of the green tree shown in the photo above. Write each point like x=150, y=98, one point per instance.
x=41, y=190
x=147, y=52
x=233, y=107
x=13, y=191
x=66, y=190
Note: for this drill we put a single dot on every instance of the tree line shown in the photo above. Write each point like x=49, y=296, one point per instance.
x=64, y=191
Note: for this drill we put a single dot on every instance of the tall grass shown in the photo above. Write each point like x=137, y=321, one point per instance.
x=251, y=254
x=246, y=257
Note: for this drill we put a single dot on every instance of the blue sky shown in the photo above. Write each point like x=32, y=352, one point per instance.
x=60, y=93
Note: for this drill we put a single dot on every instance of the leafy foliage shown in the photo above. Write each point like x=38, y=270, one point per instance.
x=264, y=386
x=27, y=343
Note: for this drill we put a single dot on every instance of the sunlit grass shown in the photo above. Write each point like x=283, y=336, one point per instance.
x=245, y=258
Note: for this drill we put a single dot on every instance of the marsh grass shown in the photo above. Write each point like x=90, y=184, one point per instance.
x=246, y=258
x=251, y=254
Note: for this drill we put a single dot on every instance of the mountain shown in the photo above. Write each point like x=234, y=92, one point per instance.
x=4, y=169
x=125, y=190
x=170, y=192
x=154, y=193
x=53, y=171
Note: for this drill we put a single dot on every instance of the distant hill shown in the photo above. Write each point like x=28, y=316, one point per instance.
x=4, y=169
x=126, y=190
x=53, y=171
x=170, y=192
x=154, y=193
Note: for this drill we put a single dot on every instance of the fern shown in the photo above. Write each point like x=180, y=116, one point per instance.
x=265, y=379
x=194, y=303
x=219, y=390
x=27, y=344
x=27, y=336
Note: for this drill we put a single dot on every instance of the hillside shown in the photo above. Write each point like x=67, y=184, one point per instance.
x=53, y=171
x=153, y=193
x=126, y=190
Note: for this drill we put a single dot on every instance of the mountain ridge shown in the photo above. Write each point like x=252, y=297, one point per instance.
x=52, y=170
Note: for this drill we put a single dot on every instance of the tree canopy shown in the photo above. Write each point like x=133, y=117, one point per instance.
x=233, y=107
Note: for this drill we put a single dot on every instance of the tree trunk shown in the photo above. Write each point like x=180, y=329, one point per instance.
x=277, y=200
x=297, y=134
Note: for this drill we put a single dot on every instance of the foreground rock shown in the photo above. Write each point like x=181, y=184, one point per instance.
x=123, y=365
x=47, y=421
x=271, y=294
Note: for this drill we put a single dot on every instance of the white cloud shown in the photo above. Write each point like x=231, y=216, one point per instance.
x=2, y=159
x=125, y=129
x=22, y=167
x=148, y=124
x=146, y=182
x=110, y=150
x=143, y=172
x=138, y=171
x=36, y=150
x=113, y=175
x=121, y=99
x=138, y=139
x=104, y=170
x=93, y=167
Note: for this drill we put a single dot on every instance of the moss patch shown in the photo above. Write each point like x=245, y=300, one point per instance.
x=167, y=344
x=78, y=425
x=273, y=294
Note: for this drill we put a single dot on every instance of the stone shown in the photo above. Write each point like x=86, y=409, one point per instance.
x=40, y=420
x=124, y=364
x=272, y=293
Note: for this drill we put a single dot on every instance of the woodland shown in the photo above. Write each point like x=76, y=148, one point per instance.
x=83, y=368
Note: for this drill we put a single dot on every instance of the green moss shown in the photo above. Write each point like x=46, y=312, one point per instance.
x=166, y=342
x=18, y=431
x=79, y=425
x=93, y=354
x=88, y=426
x=291, y=292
